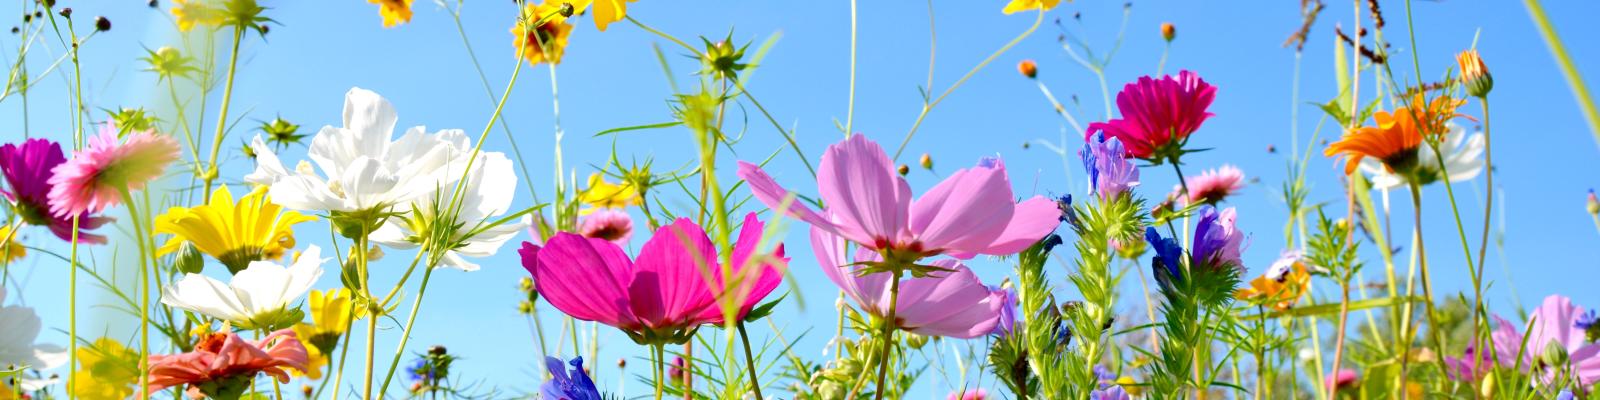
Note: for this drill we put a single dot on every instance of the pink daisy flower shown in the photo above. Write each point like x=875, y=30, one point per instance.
x=1158, y=114
x=609, y=224
x=96, y=176
x=1212, y=186
x=223, y=364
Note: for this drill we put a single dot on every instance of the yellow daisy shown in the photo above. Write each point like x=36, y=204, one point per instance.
x=235, y=233
x=605, y=11
x=106, y=371
x=394, y=12
x=330, y=316
x=552, y=31
x=189, y=13
x=12, y=249
x=1016, y=6
x=602, y=194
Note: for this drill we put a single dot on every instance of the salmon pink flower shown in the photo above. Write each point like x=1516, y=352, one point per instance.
x=97, y=176
x=662, y=295
x=222, y=364
x=1211, y=187
x=1158, y=115
x=971, y=212
x=951, y=302
x=28, y=168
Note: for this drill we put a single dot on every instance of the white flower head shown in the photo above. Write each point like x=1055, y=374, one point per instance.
x=254, y=296
x=486, y=197
x=1463, y=158
x=19, y=328
x=363, y=167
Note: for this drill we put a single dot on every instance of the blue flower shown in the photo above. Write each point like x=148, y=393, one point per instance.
x=1008, y=311
x=564, y=386
x=1068, y=214
x=1110, y=172
x=1217, y=242
x=1104, y=376
x=419, y=371
x=1167, y=263
x=1586, y=320
x=1114, y=392
x=1565, y=395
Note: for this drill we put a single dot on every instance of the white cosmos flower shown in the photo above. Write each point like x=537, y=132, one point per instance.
x=259, y=290
x=365, y=167
x=19, y=327
x=490, y=186
x=1463, y=158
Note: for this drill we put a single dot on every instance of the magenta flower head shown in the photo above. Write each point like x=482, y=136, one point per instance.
x=1555, y=346
x=97, y=176
x=971, y=212
x=1158, y=115
x=27, y=170
x=664, y=294
x=1110, y=172
x=951, y=304
x=1211, y=187
x=1342, y=379
x=969, y=394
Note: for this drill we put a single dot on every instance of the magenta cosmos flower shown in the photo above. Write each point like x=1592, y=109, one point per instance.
x=95, y=178
x=1211, y=186
x=671, y=288
x=1158, y=115
x=27, y=170
x=971, y=212
x=1553, y=327
x=952, y=304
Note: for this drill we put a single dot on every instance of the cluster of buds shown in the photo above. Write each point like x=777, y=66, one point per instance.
x=526, y=306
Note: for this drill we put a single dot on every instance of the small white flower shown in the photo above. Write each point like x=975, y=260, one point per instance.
x=1463, y=158
x=259, y=290
x=19, y=327
x=365, y=167
x=487, y=195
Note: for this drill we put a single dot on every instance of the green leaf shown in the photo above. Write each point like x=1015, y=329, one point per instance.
x=638, y=127
x=1333, y=308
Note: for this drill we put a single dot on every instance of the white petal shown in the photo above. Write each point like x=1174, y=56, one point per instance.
x=268, y=168
x=303, y=192
x=370, y=118
x=201, y=294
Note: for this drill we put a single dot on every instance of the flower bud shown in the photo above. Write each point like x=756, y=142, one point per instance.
x=904, y=169
x=566, y=10
x=157, y=4
x=437, y=350
x=102, y=24
x=1168, y=31
x=1594, y=204
x=1474, y=74
x=189, y=260
x=66, y=12
x=1028, y=68
x=926, y=161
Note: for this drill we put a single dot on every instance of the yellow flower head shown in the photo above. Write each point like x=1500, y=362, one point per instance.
x=189, y=13
x=1280, y=294
x=12, y=249
x=235, y=233
x=1016, y=6
x=330, y=317
x=316, y=357
x=605, y=11
x=602, y=194
x=106, y=371
x=542, y=23
x=394, y=12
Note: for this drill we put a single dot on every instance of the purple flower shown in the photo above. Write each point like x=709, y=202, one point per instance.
x=1552, y=329
x=1167, y=263
x=1110, y=172
x=1587, y=320
x=1104, y=376
x=565, y=386
x=1217, y=242
x=27, y=170
x=1114, y=392
x=1008, y=311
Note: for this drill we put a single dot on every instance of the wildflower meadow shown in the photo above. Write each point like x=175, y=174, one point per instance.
x=654, y=199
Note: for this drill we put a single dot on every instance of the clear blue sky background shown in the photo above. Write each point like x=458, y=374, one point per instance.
x=1545, y=154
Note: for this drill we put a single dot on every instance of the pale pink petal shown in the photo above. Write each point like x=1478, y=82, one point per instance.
x=870, y=292
x=965, y=212
x=954, y=304
x=858, y=184
x=768, y=192
x=1032, y=220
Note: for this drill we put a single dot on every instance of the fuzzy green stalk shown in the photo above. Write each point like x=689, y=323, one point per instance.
x=1591, y=114
x=889, y=324
x=928, y=106
x=1040, y=322
x=222, y=118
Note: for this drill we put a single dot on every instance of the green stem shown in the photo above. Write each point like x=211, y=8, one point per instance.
x=930, y=105
x=1427, y=286
x=750, y=362
x=455, y=15
x=1591, y=114
x=889, y=324
x=658, y=354
x=222, y=117
x=144, y=293
x=850, y=111
x=1483, y=245
x=405, y=335
x=775, y=125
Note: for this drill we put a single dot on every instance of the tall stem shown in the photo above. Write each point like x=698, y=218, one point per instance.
x=405, y=336
x=750, y=362
x=1427, y=286
x=144, y=294
x=1591, y=113
x=889, y=325
x=1483, y=244
x=930, y=105
x=850, y=112
x=222, y=118
x=1338, y=337
x=659, y=358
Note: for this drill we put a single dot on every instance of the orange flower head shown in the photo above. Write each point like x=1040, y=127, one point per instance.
x=1474, y=73
x=1394, y=140
x=1281, y=293
x=541, y=34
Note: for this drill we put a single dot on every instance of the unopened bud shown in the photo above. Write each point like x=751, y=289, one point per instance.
x=926, y=161
x=904, y=169
x=102, y=24
x=1594, y=204
x=1474, y=74
x=1028, y=68
x=525, y=284
x=157, y=4
x=1168, y=31
x=437, y=350
x=622, y=363
x=66, y=12
x=189, y=260
x=566, y=10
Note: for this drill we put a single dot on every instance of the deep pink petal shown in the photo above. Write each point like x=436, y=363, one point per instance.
x=758, y=277
x=671, y=288
x=585, y=278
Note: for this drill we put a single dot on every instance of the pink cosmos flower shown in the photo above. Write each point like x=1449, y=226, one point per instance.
x=953, y=304
x=672, y=287
x=971, y=212
x=611, y=224
x=969, y=394
x=1159, y=114
x=95, y=178
x=221, y=357
x=1212, y=186
x=1552, y=327
x=27, y=169
x=1342, y=379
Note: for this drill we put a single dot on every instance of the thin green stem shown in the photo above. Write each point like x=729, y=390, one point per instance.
x=1427, y=286
x=405, y=335
x=850, y=110
x=658, y=355
x=749, y=361
x=1591, y=114
x=144, y=293
x=1483, y=245
x=455, y=15
x=887, y=347
x=926, y=107
x=775, y=125
x=222, y=118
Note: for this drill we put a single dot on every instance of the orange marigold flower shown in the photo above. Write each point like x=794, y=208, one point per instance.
x=546, y=40
x=1393, y=140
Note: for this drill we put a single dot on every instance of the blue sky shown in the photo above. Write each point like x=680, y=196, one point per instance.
x=1545, y=156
